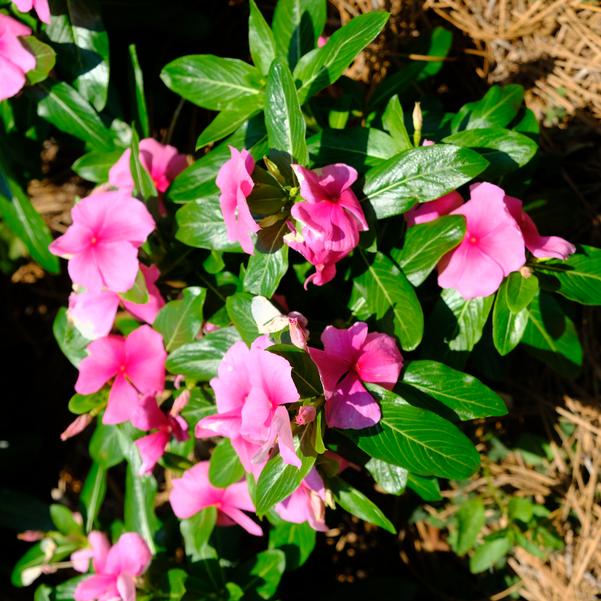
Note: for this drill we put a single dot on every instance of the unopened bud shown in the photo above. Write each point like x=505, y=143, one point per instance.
x=31, y=536
x=526, y=272
x=78, y=425
x=418, y=122
x=180, y=402
x=299, y=334
x=305, y=415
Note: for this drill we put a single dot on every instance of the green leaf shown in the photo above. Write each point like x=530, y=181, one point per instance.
x=419, y=175
x=68, y=111
x=92, y=494
x=24, y=221
x=259, y=578
x=199, y=360
x=552, y=337
x=29, y=567
x=304, y=372
x=240, y=312
x=470, y=520
x=464, y=394
x=296, y=26
x=105, y=446
x=356, y=503
x=200, y=405
x=265, y=270
x=71, y=342
x=212, y=82
x=520, y=509
x=387, y=289
x=489, y=553
x=179, y=321
x=393, y=120
x=278, y=481
x=496, y=109
x=138, y=293
x=322, y=67
x=505, y=150
x=427, y=488
x=295, y=540
x=197, y=530
x=138, y=92
x=361, y=146
x=81, y=403
x=260, y=39
x=426, y=243
x=283, y=117
x=82, y=45
x=200, y=224
x=143, y=185
x=225, y=467
x=578, y=277
x=520, y=290
x=416, y=439
x=391, y=478
x=64, y=521
x=138, y=506
x=45, y=59
x=95, y=166
x=508, y=326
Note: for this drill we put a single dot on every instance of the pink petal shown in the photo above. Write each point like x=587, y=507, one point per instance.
x=13, y=79
x=274, y=375
x=126, y=587
x=380, y=360
x=255, y=415
x=130, y=555
x=11, y=47
x=230, y=392
x=326, y=183
x=123, y=399
x=351, y=406
x=162, y=161
x=281, y=425
x=193, y=491
x=120, y=172
x=224, y=424
x=147, y=415
x=237, y=495
x=151, y=449
x=117, y=263
x=145, y=358
x=100, y=549
x=242, y=520
x=428, y=211
x=11, y=27
x=93, y=313
x=42, y=10
x=105, y=356
x=247, y=453
x=81, y=560
x=94, y=587
x=83, y=270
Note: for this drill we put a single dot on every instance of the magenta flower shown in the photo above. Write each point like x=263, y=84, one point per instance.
x=193, y=492
x=329, y=206
x=15, y=60
x=306, y=503
x=93, y=313
x=40, y=7
x=251, y=389
x=235, y=182
x=351, y=357
x=137, y=364
x=115, y=567
x=492, y=248
x=162, y=162
x=542, y=247
x=429, y=211
x=102, y=243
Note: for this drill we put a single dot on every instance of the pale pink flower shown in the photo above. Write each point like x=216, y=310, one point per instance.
x=40, y=7
x=429, y=211
x=15, y=60
x=329, y=205
x=350, y=357
x=193, y=492
x=137, y=364
x=251, y=389
x=115, y=567
x=542, y=247
x=492, y=248
x=162, y=162
x=102, y=243
x=93, y=313
x=306, y=503
x=77, y=426
x=235, y=182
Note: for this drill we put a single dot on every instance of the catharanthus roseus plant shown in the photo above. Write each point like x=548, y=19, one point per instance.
x=270, y=329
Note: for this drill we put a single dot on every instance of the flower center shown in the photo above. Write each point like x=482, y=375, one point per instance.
x=93, y=240
x=122, y=368
x=472, y=240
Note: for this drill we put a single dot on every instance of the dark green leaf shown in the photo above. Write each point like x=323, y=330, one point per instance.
x=259, y=578
x=489, y=553
x=393, y=121
x=239, y=309
x=295, y=540
x=197, y=530
x=70, y=341
x=260, y=39
x=391, y=478
x=470, y=519
x=92, y=494
x=105, y=446
x=508, y=325
x=304, y=371
x=138, y=87
x=225, y=467
x=419, y=175
x=138, y=506
x=95, y=166
x=143, y=185
x=265, y=270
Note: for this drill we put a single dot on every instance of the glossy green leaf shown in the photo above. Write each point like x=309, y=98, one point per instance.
x=426, y=243
x=138, y=92
x=95, y=166
x=508, y=325
x=419, y=175
x=179, y=321
x=304, y=371
x=63, y=520
x=578, y=277
x=82, y=45
x=464, y=394
x=197, y=530
x=391, y=478
x=45, y=59
x=143, y=185
x=80, y=403
x=105, y=446
x=71, y=342
x=265, y=270
x=225, y=467
x=138, y=505
x=470, y=520
x=200, y=405
x=489, y=553
x=259, y=578
x=416, y=439
x=297, y=541
x=212, y=82
x=356, y=503
x=520, y=290
x=260, y=39
x=283, y=117
x=393, y=120
x=427, y=488
x=92, y=494
x=387, y=289
x=240, y=312
x=199, y=360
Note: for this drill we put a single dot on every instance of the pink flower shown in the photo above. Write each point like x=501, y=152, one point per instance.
x=15, y=60
x=162, y=162
x=152, y=447
x=137, y=363
x=93, y=313
x=250, y=390
x=194, y=491
x=40, y=6
x=542, y=247
x=492, y=248
x=306, y=503
x=115, y=567
x=322, y=40
x=350, y=357
x=329, y=206
x=429, y=211
x=235, y=182
x=102, y=243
